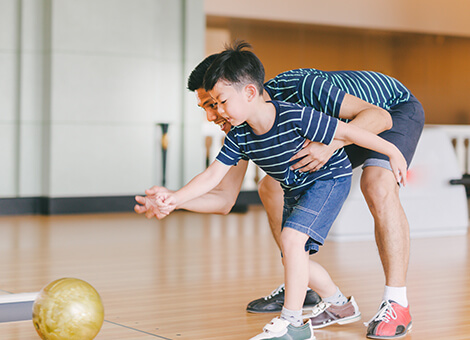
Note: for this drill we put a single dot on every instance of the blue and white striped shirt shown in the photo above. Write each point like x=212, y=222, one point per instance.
x=273, y=150
x=325, y=91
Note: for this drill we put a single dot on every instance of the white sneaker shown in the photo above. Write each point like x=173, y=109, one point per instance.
x=282, y=329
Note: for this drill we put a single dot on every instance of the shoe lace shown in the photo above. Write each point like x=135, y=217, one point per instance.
x=275, y=292
x=385, y=314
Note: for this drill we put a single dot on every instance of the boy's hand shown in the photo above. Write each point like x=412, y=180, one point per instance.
x=166, y=203
x=148, y=205
x=399, y=167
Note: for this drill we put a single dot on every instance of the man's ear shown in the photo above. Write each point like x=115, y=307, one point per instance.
x=250, y=91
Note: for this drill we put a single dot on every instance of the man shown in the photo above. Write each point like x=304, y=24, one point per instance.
x=386, y=107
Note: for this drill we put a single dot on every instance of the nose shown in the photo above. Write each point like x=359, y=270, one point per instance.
x=211, y=115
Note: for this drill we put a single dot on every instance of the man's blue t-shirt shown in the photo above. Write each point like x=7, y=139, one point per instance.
x=325, y=91
x=273, y=150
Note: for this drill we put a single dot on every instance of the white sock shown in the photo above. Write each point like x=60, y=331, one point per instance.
x=337, y=298
x=397, y=294
x=293, y=316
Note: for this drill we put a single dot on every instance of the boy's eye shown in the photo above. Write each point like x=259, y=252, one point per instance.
x=213, y=106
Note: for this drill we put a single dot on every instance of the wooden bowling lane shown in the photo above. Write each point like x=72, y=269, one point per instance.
x=190, y=276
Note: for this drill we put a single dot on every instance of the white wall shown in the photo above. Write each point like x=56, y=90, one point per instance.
x=83, y=84
x=423, y=16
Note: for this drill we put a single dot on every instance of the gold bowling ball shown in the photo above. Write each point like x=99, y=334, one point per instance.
x=68, y=309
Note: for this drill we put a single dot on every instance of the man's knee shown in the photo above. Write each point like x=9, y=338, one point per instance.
x=379, y=186
x=267, y=187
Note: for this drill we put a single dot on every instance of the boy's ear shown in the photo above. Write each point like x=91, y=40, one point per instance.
x=251, y=91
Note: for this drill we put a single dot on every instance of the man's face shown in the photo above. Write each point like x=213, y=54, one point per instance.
x=205, y=101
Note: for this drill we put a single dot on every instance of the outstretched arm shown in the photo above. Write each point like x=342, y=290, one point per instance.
x=219, y=200
x=362, y=114
x=222, y=198
x=198, y=186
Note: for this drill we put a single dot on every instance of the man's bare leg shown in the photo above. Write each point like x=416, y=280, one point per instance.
x=393, y=241
x=392, y=230
x=272, y=197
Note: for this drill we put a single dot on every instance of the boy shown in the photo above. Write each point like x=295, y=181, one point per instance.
x=270, y=133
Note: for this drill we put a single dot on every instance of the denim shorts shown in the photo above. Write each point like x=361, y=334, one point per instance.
x=408, y=123
x=314, y=211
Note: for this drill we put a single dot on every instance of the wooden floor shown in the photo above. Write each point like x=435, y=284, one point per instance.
x=190, y=276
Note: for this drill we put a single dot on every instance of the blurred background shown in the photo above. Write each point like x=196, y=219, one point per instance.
x=89, y=87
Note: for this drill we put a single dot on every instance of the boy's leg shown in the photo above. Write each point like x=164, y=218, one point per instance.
x=335, y=307
x=295, y=260
x=271, y=195
x=296, y=267
x=296, y=264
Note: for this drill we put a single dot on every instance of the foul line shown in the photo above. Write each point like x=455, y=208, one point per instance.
x=137, y=330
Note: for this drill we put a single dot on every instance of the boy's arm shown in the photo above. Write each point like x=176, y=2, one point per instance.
x=362, y=114
x=201, y=184
x=219, y=200
x=352, y=134
x=222, y=198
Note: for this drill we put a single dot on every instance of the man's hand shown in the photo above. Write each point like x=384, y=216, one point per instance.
x=148, y=204
x=313, y=156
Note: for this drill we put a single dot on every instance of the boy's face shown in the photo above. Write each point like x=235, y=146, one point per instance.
x=207, y=103
x=231, y=102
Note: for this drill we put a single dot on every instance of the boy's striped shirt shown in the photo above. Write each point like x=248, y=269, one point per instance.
x=273, y=150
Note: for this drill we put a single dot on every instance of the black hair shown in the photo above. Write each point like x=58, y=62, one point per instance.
x=196, y=78
x=237, y=66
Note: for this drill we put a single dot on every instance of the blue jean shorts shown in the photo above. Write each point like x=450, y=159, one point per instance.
x=314, y=211
x=408, y=123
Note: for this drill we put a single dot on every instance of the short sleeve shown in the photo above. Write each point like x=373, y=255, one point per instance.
x=317, y=92
x=317, y=126
x=230, y=152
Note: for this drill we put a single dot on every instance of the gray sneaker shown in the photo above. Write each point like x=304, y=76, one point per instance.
x=283, y=330
x=325, y=314
x=273, y=302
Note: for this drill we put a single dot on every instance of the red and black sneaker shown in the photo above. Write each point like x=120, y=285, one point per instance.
x=392, y=321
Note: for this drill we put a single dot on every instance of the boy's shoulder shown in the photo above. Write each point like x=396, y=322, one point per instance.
x=286, y=105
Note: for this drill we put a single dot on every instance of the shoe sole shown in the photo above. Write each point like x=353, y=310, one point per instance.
x=343, y=321
x=273, y=311
x=407, y=330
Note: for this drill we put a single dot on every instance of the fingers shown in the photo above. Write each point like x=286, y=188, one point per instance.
x=152, y=191
x=400, y=176
x=403, y=178
x=149, y=214
x=139, y=209
x=302, y=153
x=140, y=199
x=308, y=164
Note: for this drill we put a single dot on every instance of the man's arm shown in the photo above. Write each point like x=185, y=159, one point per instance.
x=219, y=200
x=222, y=198
x=352, y=134
x=361, y=114
x=365, y=115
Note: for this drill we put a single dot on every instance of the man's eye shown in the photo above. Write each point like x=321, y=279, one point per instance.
x=213, y=106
